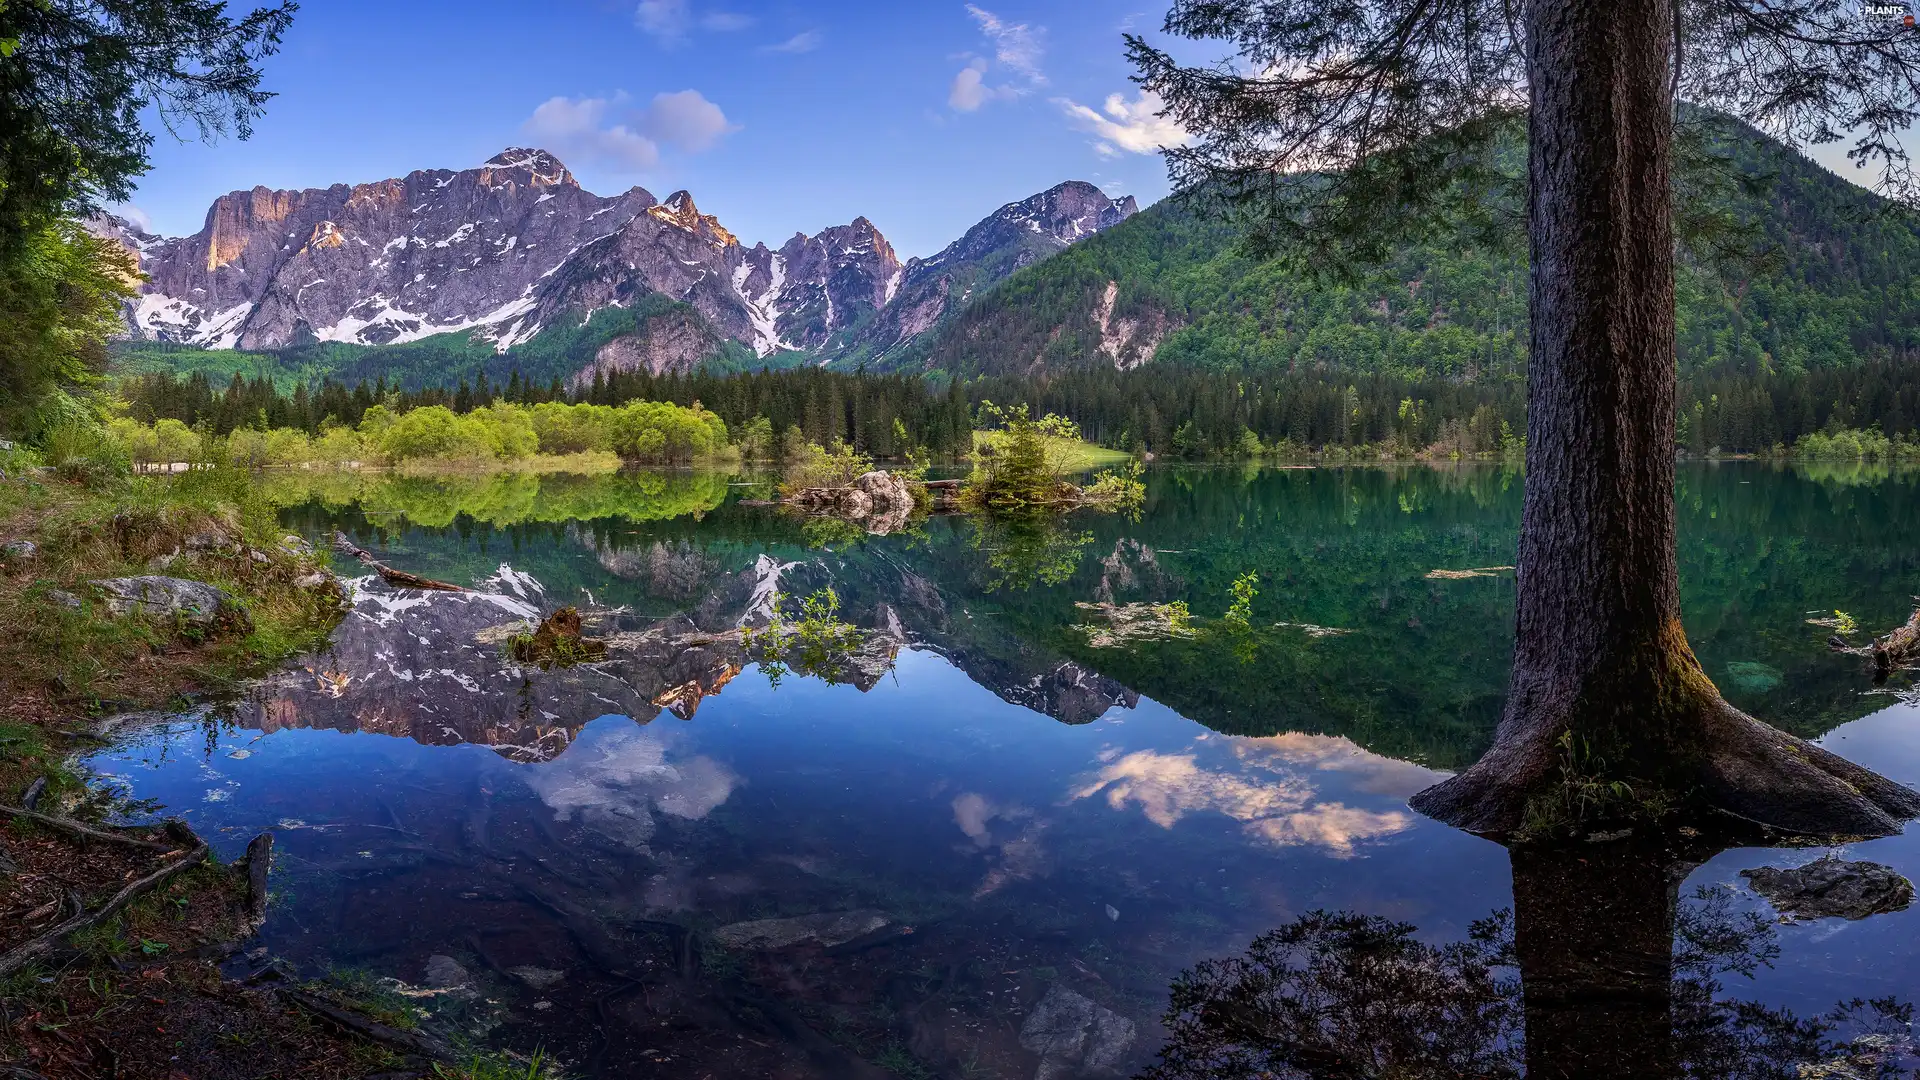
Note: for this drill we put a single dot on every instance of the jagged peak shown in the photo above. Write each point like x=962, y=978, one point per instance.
x=679, y=211
x=543, y=167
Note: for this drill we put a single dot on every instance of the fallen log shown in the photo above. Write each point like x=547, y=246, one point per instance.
x=74, y=828
x=44, y=944
x=398, y=578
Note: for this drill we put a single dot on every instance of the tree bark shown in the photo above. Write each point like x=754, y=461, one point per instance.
x=1600, y=654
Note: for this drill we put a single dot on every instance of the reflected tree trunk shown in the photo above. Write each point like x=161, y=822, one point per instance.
x=1593, y=931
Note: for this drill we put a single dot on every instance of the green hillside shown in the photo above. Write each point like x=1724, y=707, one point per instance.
x=1832, y=285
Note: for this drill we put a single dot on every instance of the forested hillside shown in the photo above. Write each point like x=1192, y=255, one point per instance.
x=1825, y=280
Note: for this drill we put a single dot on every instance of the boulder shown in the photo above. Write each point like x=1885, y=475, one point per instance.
x=65, y=599
x=1830, y=888
x=1075, y=1036
x=828, y=929
x=888, y=493
x=20, y=551
x=193, y=603
x=293, y=545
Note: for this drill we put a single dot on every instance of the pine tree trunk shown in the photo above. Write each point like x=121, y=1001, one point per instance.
x=1604, y=686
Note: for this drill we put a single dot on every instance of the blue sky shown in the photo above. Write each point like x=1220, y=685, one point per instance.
x=778, y=115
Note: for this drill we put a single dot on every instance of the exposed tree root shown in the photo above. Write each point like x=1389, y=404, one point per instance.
x=74, y=828
x=1747, y=777
x=397, y=578
x=44, y=944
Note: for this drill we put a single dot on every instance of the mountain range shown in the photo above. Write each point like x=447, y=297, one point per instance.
x=448, y=275
x=515, y=248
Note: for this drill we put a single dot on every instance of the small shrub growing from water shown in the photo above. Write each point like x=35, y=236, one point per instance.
x=1240, y=611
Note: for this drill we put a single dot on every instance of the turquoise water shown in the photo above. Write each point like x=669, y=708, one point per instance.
x=1002, y=830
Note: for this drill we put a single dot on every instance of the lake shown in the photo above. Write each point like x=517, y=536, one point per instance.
x=984, y=843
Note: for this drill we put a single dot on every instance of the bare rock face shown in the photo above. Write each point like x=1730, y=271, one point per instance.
x=515, y=246
x=674, y=341
x=504, y=249
x=1015, y=236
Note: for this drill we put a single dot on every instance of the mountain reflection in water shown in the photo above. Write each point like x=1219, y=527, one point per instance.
x=984, y=842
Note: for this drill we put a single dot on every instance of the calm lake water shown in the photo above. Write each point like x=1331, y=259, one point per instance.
x=984, y=846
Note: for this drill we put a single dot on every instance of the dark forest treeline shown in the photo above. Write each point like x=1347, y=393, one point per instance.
x=821, y=405
x=1172, y=412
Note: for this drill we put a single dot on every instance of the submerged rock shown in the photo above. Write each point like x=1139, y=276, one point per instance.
x=194, y=603
x=446, y=973
x=828, y=928
x=1075, y=1036
x=1830, y=888
x=538, y=978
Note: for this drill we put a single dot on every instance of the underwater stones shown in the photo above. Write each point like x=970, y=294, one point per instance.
x=446, y=973
x=1075, y=1036
x=1752, y=677
x=828, y=929
x=538, y=978
x=1830, y=888
x=194, y=603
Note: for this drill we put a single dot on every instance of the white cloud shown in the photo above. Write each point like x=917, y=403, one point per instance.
x=667, y=20
x=1016, y=45
x=970, y=90
x=670, y=21
x=802, y=42
x=578, y=131
x=1131, y=126
x=606, y=132
x=686, y=120
x=134, y=215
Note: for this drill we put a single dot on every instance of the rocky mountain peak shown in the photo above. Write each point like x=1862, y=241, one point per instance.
x=680, y=212
x=542, y=169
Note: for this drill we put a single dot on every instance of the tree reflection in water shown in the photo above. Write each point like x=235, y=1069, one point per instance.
x=1598, y=972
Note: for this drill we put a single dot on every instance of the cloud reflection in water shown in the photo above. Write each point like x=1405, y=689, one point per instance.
x=1272, y=786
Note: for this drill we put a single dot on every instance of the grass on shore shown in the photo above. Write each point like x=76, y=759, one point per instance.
x=70, y=660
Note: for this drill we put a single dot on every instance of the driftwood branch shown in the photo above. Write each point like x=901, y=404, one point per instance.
x=398, y=578
x=74, y=828
x=40, y=946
